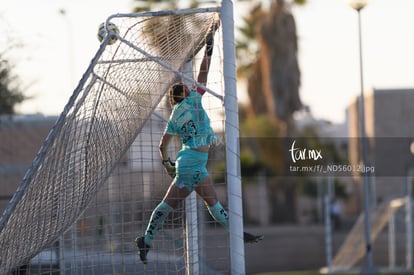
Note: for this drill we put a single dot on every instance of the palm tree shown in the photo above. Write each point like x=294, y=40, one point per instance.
x=280, y=69
x=273, y=75
x=273, y=79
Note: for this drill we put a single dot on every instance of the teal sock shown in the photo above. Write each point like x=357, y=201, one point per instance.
x=219, y=214
x=157, y=219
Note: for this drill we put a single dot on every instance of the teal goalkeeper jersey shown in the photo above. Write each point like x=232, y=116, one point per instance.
x=190, y=121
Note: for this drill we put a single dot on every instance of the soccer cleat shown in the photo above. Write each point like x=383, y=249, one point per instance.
x=250, y=238
x=143, y=248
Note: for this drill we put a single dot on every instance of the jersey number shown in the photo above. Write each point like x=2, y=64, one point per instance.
x=189, y=130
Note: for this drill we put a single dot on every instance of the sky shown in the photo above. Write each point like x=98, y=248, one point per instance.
x=329, y=51
x=58, y=46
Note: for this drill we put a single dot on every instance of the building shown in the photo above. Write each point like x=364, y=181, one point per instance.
x=390, y=132
x=20, y=140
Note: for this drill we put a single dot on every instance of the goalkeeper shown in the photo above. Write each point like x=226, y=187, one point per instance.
x=191, y=123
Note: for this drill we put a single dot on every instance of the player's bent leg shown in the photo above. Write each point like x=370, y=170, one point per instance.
x=206, y=190
x=219, y=214
x=171, y=199
x=175, y=195
x=158, y=216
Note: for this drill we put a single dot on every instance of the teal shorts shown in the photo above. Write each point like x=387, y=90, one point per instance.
x=190, y=168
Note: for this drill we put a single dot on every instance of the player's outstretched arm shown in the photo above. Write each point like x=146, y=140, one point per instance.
x=205, y=63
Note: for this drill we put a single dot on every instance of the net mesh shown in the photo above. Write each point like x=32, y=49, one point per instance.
x=117, y=97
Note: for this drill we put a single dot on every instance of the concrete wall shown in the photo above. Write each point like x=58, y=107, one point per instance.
x=389, y=115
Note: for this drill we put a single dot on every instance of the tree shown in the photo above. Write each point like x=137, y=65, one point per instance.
x=10, y=88
x=273, y=78
x=269, y=39
x=280, y=69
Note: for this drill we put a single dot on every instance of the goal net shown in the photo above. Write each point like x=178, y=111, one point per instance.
x=94, y=182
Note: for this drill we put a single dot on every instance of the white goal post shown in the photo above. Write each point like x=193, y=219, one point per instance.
x=119, y=100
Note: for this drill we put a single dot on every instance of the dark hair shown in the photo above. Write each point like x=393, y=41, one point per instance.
x=176, y=93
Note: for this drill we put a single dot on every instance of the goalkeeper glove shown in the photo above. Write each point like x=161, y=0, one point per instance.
x=210, y=44
x=169, y=167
